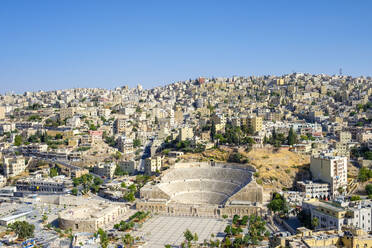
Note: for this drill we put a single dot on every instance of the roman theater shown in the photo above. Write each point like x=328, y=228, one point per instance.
x=204, y=189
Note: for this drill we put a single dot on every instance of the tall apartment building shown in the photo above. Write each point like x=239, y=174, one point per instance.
x=219, y=119
x=2, y=181
x=341, y=149
x=178, y=116
x=2, y=113
x=105, y=169
x=186, y=133
x=125, y=145
x=7, y=127
x=65, y=113
x=152, y=165
x=344, y=137
x=129, y=167
x=330, y=169
x=120, y=126
x=255, y=122
x=13, y=166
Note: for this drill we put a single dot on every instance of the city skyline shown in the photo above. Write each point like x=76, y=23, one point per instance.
x=48, y=46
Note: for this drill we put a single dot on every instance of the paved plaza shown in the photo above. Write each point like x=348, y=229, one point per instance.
x=161, y=230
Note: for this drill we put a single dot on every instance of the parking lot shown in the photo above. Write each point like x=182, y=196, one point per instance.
x=161, y=230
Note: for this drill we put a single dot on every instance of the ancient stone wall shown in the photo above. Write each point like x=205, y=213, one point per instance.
x=252, y=192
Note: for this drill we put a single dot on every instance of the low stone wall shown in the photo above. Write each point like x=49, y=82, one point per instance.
x=78, y=225
x=67, y=200
x=214, y=211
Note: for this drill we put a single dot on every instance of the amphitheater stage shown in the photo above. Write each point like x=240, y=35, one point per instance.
x=161, y=230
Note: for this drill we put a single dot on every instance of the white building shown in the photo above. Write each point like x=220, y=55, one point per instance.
x=332, y=170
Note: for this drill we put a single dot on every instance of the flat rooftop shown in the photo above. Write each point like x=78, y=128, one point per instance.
x=329, y=206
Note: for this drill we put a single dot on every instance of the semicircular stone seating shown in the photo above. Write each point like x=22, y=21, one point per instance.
x=203, y=185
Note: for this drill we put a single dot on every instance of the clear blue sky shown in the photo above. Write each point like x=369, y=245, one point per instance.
x=85, y=43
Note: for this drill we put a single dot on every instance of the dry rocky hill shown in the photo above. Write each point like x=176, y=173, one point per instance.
x=275, y=169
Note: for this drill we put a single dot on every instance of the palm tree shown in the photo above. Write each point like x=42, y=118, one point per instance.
x=128, y=239
x=314, y=222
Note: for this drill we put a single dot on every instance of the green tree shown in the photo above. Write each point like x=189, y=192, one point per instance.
x=196, y=237
x=235, y=220
x=23, y=229
x=18, y=140
x=355, y=198
x=364, y=174
x=53, y=172
x=369, y=189
x=213, y=130
x=97, y=181
x=278, y=203
x=188, y=235
x=92, y=127
x=74, y=191
x=129, y=197
x=44, y=218
x=292, y=137
x=128, y=239
x=227, y=230
x=227, y=242
x=117, y=155
x=58, y=136
x=103, y=238
x=136, y=143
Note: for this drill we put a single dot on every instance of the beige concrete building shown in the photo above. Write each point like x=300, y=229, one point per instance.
x=329, y=216
x=341, y=149
x=91, y=218
x=152, y=165
x=330, y=169
x=120, y=126
x=65, y=113
x=347, y=238
x=125, y=145
x=2, y=113
x=105, y=169
x=2, y=181
x=255, y=123
x=178, y=116
x=129, y=167
x=363, y=137
x=344, y=137
x=186, y=133
x=13, y=166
